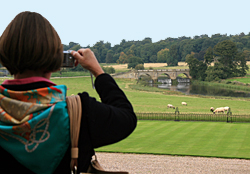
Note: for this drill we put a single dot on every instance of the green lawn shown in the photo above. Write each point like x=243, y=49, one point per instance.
x=209, y=139
x=157, y=101
x=242, y=80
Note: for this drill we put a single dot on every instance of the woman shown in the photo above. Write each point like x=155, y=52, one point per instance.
x=34, y=126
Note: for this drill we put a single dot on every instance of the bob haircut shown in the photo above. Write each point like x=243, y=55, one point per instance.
x=30, y=42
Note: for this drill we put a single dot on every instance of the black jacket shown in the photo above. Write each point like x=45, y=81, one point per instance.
x=102, y=123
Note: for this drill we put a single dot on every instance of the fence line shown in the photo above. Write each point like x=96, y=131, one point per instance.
x=193, y=117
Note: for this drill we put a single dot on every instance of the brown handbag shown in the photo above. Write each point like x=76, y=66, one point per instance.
x=75, y=114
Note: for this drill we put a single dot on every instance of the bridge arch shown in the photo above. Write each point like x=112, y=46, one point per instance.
x=145, y=75
x=185, y=73
x=154, y=74
x=164, y=75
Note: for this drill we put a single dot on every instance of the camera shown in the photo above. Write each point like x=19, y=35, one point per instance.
x=68, y=59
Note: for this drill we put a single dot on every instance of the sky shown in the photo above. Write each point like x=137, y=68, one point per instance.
x=88, y=22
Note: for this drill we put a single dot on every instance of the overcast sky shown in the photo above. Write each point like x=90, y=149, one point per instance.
x=87, y=22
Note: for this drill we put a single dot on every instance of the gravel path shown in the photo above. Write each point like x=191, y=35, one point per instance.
x=161, y=164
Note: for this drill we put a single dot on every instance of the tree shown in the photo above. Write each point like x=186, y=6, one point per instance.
x=116, y=57
x=109, y=70
x=147, y=50
x=185, y=48
x=162, y=55
x=133, y=61
x=216, y=35
x=107, y=45
x=104, y=55
x=101, y=51
x=97, y=55
x=139, y=67
x=79, y=68
x=242, y=66
x=172, y=59
x=75, y=47
x=209, y=56
x=123, y=58
x=71, y=44
x=197, y=68
x=147, y=40
x=200, y=55
x=227, y=51
x=247, y=54
x=248, y=44
x=109, y=56
x=233, y=61
x=153, y=58
x=215, y=72
x=130, y=52
x=239, y=45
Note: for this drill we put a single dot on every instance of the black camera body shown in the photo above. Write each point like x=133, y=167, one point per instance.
x=68, y=59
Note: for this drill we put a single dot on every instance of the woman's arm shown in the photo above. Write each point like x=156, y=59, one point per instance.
x=108, y=121
x=114, y=118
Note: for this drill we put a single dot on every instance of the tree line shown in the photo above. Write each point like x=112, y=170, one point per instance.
x=199, y=52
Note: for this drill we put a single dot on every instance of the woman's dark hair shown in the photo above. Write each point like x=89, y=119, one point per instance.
x=30, y=43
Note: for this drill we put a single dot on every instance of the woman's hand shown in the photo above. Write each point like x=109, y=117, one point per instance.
x=86, y=58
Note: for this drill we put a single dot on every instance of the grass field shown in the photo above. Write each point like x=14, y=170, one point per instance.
x=242, y=80
x=146, y=101
x=208, y=139
x=157, y=101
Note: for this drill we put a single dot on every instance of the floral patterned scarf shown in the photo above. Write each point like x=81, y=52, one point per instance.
x=34, y=126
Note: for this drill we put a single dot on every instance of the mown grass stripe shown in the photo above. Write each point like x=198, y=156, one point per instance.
x=210, y=139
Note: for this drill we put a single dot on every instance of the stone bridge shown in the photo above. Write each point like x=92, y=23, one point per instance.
x=154, y=74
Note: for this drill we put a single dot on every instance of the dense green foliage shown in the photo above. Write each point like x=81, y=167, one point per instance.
x=229, y=53
x=178, y=48
x=228, y=62
x=109, y=70
x=134, y=61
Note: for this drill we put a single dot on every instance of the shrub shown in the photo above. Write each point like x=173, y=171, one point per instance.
x=109, y=70
x=217, y=79
x=139, y=67
x=134, y=61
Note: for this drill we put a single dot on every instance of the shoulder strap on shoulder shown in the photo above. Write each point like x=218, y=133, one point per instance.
x=75, y=114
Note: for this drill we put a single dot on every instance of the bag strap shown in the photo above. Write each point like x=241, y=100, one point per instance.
x=75, y=115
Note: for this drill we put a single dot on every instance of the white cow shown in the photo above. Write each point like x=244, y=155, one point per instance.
x=221, y=109
x=171, y=106
x=184, y=103
x=226, y=108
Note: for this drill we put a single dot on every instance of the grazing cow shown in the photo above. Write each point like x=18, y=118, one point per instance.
x=171, y=106
x=226, y=108
x=212, y=109
x=184, y=103
x=222, y=109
